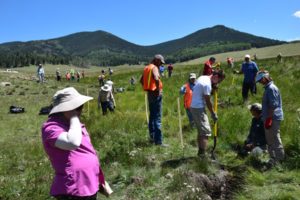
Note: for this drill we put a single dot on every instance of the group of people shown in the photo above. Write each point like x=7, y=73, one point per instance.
x=69, y=74
x=162, y=70
x=265, y=127
x=66, y=141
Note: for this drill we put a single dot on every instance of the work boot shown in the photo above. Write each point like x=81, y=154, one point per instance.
x=151, y=138
x=163, y=145
x=201, y=152
x=269, y=165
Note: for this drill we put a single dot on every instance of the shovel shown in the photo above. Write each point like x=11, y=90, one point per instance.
x=215, y=126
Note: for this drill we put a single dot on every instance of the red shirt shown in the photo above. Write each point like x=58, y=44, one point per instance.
x=207, y=70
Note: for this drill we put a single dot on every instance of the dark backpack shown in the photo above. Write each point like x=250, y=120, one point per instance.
x=45, y=110
x=14, y=109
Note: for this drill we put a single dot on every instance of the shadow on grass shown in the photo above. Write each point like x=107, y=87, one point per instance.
x=177, y=162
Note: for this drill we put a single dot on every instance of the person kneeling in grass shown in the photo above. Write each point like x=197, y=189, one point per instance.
x=272, y=115
x=256, y=140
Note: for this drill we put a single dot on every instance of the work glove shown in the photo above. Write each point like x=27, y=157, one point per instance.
x=268, y=122
x=214, y=117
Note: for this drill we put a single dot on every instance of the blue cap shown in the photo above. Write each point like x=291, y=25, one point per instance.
x=259, y=76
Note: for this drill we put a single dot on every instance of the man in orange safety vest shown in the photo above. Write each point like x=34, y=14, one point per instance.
x=187, y=90
x=152, y=84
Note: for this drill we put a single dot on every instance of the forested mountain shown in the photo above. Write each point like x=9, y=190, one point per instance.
x=104, y=49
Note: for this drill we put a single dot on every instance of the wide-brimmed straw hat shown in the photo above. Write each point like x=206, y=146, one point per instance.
x=106, y=88
x=67, y=99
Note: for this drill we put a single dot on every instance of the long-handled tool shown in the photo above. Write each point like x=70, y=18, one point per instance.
x=146, y=106
x=180, y=127
x=215, y=127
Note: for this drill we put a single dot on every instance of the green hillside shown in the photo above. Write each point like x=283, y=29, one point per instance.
x=135, y=168
x=104, y=49
x=289, y=49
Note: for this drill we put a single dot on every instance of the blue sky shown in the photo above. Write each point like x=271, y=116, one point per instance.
x=146, y=22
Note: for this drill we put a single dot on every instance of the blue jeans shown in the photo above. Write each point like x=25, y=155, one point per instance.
x=105, y=105
x=155, y=109
x=246, y=88
x=41, y=77
x=190, y=116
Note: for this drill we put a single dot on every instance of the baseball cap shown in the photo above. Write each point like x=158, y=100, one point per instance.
x=160, y=57
x=255, y=106
x=247, y=56
x=192, y=75
x=212, y=58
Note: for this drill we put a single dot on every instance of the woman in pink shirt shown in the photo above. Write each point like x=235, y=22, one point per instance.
x=68, y=145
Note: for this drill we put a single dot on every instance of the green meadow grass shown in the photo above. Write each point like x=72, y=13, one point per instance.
x=121, y=138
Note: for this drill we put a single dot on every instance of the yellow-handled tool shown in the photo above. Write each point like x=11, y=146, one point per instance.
x=215, y=126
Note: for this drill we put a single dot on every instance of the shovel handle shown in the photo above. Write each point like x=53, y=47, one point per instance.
x=216, y=110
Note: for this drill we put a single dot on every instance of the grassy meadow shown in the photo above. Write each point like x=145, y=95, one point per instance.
x=135, y=168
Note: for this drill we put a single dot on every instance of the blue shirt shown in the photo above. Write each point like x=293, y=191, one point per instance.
x=249, y=71
x=183, y=89
x=272, y=99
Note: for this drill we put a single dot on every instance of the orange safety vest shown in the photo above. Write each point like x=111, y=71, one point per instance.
x=148, y=80
x=188, y=96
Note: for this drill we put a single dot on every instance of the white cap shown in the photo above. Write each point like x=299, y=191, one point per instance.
x=192, y=75
x=247, y=56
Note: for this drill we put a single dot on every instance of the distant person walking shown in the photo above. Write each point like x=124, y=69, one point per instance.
x=249, y=69
x=255, y=57
x=111, y=72
x=208, y=66
x=101, y=78
x=68, y=145
x=230, y=62
x=83, y=74
x=58, y=76
x=41, y=73
x=170, y=70
x=187, y=90
x=106, y=99
x=73, y=75
x=78, y=76
x=279, y=58
x=272, y=114
x=201, y=98
x=161, y=70
x=152, y=84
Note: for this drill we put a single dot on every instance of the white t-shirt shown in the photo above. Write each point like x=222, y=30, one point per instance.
x=201, y=88
x=110, y=83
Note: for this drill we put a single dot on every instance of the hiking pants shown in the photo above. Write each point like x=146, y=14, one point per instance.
x=275, y=147
x=155, y=109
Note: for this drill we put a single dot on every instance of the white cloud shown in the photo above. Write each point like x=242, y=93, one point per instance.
x=297, y=14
